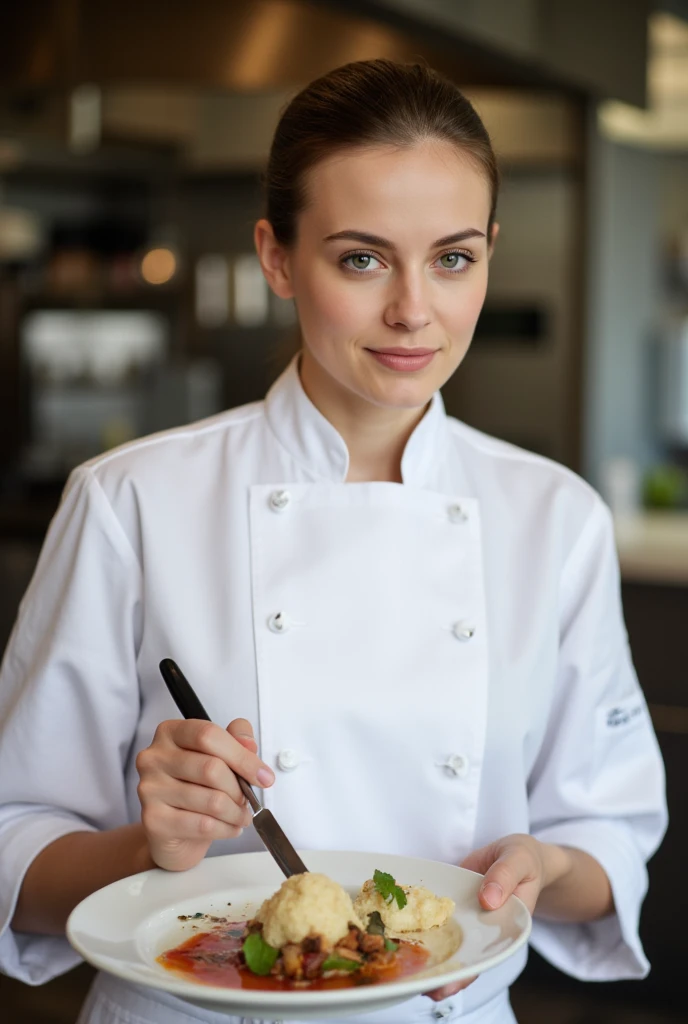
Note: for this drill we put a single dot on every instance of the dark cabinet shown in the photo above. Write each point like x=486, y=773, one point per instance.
x=657, y=624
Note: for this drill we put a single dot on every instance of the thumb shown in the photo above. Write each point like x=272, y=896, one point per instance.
x=240, y=729
x=481, y=860
x=497, y=883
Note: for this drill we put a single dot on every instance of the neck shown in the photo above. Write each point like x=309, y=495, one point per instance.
x=375, y=436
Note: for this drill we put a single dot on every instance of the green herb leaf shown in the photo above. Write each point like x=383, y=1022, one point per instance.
x=375, y=924
x=260, y=957
x=340, y=963
x=388, y=889
x=391, y=946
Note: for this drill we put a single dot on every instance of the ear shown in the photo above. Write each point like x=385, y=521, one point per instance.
x=274, y=259
x=493, y=239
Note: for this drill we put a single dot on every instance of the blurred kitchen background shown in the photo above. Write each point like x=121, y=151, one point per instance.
x=132, y=138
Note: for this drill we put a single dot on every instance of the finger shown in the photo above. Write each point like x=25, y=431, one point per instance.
x=208, y=738
x=249, y=744
x=185, y=796
x=201, y=769
x=438, y=994
x=167, y=823
x=242, y=731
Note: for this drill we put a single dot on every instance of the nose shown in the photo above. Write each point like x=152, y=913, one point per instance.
x=409, y=306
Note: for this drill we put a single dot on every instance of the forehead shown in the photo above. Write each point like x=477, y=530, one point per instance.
x=394, y=191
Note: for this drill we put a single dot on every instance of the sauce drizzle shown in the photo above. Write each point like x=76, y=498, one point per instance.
x=213, y=958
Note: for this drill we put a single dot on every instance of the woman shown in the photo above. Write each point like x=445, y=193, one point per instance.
x=422, y=624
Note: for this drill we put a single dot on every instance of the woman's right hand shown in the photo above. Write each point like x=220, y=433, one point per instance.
x=188, y=791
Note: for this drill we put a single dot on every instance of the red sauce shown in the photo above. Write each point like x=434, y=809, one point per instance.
x=212, y=958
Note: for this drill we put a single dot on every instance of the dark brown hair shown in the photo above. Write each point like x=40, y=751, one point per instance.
x=367, y=103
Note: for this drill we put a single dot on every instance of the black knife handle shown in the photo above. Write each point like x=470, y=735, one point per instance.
x=181, y=691
x=184, y=696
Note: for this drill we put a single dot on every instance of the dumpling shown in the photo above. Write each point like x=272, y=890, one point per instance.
x=423, y=909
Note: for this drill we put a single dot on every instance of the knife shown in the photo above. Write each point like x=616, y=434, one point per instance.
x=264, y=821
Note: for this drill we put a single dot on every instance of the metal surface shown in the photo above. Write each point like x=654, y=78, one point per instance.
x=257, y=45
x=277, y=844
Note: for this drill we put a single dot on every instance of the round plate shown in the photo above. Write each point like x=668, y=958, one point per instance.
x=122, y=928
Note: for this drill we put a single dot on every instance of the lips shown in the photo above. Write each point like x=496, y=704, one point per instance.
x=403, y=360
x=404, y=351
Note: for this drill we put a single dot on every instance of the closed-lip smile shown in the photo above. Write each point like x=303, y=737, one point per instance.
x=404, y=351
x=402, y=358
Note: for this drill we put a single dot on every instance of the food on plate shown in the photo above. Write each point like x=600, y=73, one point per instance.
x=405, y=908
x=309, y=934
x=308, y=904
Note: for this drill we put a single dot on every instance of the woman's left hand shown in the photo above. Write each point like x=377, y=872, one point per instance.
x=516, y=864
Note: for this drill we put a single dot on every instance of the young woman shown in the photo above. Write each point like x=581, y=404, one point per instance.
x=380, y=599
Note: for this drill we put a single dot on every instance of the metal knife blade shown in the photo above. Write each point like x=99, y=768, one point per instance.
x=264, y=821
x=276, y=843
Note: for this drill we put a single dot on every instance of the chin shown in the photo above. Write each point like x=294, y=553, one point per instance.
x=404, y=394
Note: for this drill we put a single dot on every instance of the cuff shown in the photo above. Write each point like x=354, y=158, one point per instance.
x=33, y=959
x=608, y=949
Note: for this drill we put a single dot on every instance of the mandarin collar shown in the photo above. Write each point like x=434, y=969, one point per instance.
x=320, y=449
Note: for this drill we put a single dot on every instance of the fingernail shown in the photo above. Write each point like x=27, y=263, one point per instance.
x=265, y=776
x=244, y=736
x=492, y=894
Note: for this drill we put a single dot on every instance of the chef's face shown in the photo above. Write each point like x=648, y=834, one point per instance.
x=389, y=270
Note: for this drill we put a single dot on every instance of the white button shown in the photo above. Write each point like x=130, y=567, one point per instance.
x=456, y=765
x=288, y=760
x=457, y=514
x=463, y=630
x=278, y=622
x=443, y=1012
x=279, y=500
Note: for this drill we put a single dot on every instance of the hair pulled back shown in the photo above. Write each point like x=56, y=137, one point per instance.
x=367, y=103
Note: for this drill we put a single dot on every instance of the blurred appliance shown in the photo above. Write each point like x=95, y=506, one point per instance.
x=673, y=382
x=520, y=378
x=87, y=377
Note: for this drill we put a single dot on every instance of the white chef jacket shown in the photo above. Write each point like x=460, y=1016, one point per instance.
x=428, y=665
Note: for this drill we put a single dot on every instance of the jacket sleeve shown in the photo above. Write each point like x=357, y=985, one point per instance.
x=598, y=784
x=69, y=704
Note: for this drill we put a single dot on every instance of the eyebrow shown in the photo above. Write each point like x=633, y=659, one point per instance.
x=353, y=235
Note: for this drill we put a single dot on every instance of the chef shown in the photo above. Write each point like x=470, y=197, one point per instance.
x=413, y=629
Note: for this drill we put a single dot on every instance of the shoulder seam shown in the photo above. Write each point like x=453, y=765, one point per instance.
x=171, y=436
x=518, y=455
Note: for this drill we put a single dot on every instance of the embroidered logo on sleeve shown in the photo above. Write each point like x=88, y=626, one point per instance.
x=623, y=714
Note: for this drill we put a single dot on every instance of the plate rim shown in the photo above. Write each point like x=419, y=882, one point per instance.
x=248, y=999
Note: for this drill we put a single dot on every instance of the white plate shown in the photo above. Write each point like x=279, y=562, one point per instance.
x=122, y=928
